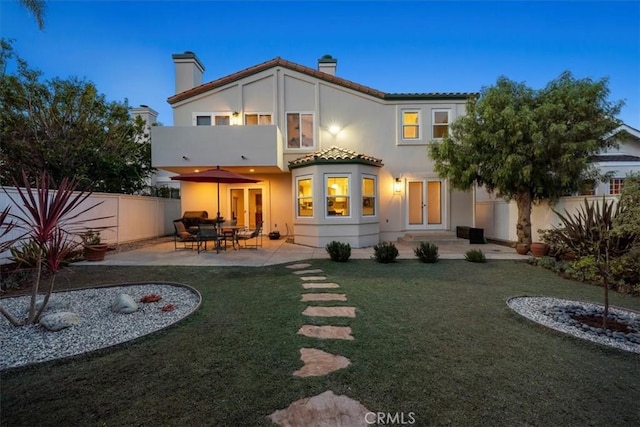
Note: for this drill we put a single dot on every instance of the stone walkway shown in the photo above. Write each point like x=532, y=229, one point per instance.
x=325, y=409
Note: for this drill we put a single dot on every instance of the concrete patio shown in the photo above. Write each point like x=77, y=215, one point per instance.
x=280, y=252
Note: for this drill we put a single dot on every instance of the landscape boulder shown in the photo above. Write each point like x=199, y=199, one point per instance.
x=124, y=304
x=60, y=320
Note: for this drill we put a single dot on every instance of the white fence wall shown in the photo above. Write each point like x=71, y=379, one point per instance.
x=499, y=218
x=129, y=217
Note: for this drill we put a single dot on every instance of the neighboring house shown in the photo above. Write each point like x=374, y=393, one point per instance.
x=160, y=178
x=618, y=162
x=337, y=160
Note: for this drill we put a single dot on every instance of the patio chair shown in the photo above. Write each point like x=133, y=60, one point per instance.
x=229, y=233
x=247, y=235
x=181, y=235
x=209, y=233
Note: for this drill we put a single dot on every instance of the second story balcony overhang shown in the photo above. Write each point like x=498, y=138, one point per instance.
x=182, y=149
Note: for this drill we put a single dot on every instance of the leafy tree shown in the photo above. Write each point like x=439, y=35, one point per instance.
x=529, y=145
x=36, y=7
x=68, y=129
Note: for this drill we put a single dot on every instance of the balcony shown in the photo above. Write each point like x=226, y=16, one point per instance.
x=181, y=149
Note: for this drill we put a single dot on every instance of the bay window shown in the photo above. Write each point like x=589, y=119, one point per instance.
x=337, y=193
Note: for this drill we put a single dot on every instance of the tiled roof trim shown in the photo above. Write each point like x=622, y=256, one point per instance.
x=615, y=158
x=334, y=155
x=279, y=62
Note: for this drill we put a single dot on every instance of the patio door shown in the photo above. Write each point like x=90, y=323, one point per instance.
x=246, y=206
x=425, y=205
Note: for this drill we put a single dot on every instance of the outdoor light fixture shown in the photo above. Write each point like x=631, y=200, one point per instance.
x=397, y=186
x=334, y=129
x=185, y=158
x=235, y=119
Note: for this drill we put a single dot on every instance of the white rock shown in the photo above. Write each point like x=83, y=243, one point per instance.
x=124, y=304
x=60, y=320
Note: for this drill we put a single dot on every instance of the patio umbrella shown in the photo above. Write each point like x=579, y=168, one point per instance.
x=216, y=175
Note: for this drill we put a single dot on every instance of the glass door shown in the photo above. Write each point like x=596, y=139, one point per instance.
x=424, y=204
x=246, y=206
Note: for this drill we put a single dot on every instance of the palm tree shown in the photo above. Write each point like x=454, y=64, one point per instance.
x=36, y=7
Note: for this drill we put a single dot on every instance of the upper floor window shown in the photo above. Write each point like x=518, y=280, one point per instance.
x=203, y=120
x=337, y=192
x=300, y=130
x=616, y=185
x=209, y=119
x=368, y=196
x=410, y=125
x=440, y=123
x=305, y=196
x=587, y=188
x=257, y=119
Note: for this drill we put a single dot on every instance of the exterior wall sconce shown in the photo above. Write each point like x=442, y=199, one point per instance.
x=397, y=186
x=235, y=118
x=334, y=129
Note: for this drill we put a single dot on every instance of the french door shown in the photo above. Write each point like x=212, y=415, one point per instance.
x=246, y=206
x=425, y=206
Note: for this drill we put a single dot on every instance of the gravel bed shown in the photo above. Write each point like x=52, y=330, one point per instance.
x=556, y=314
x=99, y=326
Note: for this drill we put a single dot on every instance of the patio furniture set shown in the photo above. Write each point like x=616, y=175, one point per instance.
x=194, y=230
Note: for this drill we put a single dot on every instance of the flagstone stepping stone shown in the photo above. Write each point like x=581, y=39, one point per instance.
x=318, y=363
x=315, y=271
x=324, y=297
x=320, y=285
x=298, y=266
x=324, y=410
x=330, y=311
x=314, y=278
x=326, y=332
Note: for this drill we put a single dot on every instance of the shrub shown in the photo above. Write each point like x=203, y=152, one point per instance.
x=626, y=269
x=589, y=230
x=475, y=255
x=427, y=252
x=385, y=252
x=28, y=254
x=584, y=269
x=339, y=252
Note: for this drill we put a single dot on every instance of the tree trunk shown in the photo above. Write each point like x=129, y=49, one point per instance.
x=523, y=201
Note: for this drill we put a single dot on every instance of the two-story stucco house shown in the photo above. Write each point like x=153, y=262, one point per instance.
x=336, y=160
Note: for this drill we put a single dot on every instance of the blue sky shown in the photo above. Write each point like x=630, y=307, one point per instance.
x=125, y=47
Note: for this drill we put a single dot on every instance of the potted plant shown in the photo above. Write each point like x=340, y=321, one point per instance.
x=522, y=248
x=539, y=249
x=94, y=249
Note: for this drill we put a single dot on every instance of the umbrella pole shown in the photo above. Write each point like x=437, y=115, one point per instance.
x=218, y=214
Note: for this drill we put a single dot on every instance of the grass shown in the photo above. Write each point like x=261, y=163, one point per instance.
x=434, y=339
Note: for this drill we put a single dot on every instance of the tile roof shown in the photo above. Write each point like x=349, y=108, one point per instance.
x=615, y=158
x=279, y=62
x=334, y=155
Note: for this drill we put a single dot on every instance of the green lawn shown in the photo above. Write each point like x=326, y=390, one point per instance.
x=434, y=339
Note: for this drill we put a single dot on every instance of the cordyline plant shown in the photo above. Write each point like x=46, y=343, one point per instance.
x=595, y=231
x=51, y=220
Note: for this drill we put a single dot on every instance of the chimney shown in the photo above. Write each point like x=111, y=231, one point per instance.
x=148, y=114
x=189, y=71
x=328, y=64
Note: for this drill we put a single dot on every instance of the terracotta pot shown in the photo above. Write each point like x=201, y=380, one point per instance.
x=539, y=249
x=522, y=248
x=95, y=252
